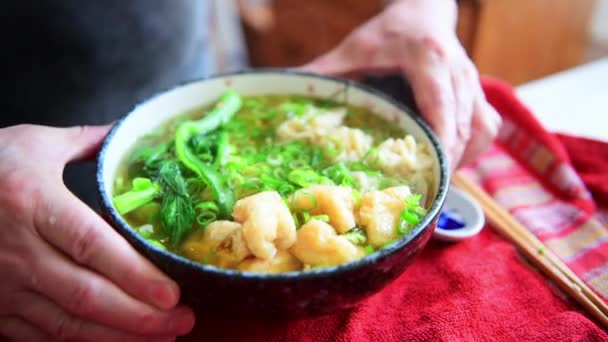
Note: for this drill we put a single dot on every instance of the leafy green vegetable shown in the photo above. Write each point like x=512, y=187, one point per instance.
x=143, y=191
x=176, y=211
x=227, y=106
x=150, y=155
x=221, y=113
x=217, y=184
x=223, y=149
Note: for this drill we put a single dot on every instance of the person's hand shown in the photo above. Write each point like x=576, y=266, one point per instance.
x=66, y=274
x=418, y=38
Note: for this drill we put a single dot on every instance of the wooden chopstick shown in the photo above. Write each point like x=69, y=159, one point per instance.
x=505, y=224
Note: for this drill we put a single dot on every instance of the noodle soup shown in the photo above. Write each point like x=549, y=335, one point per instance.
x=274, y=184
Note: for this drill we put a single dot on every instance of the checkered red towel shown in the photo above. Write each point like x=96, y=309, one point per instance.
x=543, y=180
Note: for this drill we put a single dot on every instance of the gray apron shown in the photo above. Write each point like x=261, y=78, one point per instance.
x=75, y=62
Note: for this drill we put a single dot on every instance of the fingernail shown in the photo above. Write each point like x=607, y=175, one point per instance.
x=164, y=295
x=182, y=321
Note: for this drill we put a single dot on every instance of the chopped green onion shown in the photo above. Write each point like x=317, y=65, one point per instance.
x=208, y=213
x=323, y=217
x=296, y=220
x=411, y=215
x=310, y=195
x=249, y=150
x=279, y=173
x=306, y=216
x=356, y=235
x=402, y=227
x=274, y=159
x=297, y=164
x=303, y=177
x=372, y=157
x=356, y=196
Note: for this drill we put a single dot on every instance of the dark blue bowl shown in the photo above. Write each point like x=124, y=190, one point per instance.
x=315, y=292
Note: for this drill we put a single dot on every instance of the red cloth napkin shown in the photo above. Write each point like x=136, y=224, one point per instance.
x=478, y=289
x=533, y=174
x=590, y=159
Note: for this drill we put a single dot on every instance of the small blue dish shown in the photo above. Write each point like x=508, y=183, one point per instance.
x=460, y=218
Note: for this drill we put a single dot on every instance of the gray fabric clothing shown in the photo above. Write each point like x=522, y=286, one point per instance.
x=68, y=62
x=74, y=62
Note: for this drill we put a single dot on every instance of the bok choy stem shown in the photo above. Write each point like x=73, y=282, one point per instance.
x=143, y=192
x=227, y=106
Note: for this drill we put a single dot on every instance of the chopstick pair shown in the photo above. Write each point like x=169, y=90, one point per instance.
x=505, y=224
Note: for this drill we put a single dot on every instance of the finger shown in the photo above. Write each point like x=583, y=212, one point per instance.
x=464, y=95
x=68, y=144
x=83, y=141
x=359, y=50
x=77, y=230
x=74, y=143
x=17, y=329
x=485, y=125
x=89, y=296
x=56, y=322
x=431, y=83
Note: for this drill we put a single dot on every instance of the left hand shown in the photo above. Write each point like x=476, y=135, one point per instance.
x=418, y=38
x=66, y=274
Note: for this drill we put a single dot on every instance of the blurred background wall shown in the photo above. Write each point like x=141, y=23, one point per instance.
x=598, y=44
x=516, y=40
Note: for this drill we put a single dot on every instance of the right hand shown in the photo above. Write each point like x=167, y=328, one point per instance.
x=418, y=38
x=66, y=274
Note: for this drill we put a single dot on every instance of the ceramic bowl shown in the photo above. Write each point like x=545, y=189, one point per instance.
x=308, y=293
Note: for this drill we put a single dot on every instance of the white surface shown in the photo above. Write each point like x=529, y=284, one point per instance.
x=467, y=208
x=599, y=23
x=574, y=101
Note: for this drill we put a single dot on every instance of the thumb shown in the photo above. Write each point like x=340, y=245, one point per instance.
x=79, y=142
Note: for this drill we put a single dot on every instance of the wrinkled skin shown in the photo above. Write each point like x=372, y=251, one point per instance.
x=267, y=223
x=418, y=38
x=319, y=245
x=379, y=213
x=337, y=202
x=67, y=275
